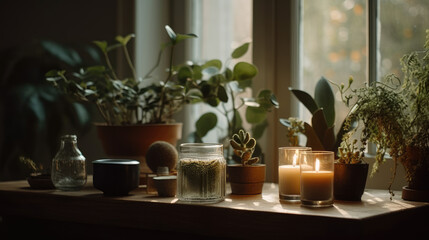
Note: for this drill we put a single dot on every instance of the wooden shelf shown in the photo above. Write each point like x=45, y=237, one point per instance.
x=256, y=216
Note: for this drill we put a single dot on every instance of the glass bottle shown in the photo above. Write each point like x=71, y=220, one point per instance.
x=68, y=166
x=201, y=173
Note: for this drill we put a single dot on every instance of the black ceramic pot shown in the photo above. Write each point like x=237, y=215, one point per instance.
x=116, y=177
x=349, y=181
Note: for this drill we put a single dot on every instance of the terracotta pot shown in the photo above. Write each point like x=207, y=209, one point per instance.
x=132, y=141
x=349, y=181
x=246, y=179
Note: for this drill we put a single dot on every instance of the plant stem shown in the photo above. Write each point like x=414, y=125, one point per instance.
x=130, y=63
x=109, y=65
x=233, y=111
x=162, y=103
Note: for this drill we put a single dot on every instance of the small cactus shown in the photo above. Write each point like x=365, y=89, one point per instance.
x=243, y=146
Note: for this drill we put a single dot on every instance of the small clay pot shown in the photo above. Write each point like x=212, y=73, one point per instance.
x=246, y=180
x=349, y=181
x=166, y=185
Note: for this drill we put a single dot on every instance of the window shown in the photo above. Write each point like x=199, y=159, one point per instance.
x=221, y=26
x=297, y=42
x=337, y=41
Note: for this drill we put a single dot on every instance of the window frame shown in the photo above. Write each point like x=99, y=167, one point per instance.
x=277, y=32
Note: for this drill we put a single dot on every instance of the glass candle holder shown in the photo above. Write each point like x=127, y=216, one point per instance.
x=201, y=173
x=289, y=173
x=317, y=178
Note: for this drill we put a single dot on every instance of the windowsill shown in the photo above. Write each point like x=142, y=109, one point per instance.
x=230, y=218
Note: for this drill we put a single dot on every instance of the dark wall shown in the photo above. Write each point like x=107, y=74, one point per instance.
x=68, y=21
x=23, y=24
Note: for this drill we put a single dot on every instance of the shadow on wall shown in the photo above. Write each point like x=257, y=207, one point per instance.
x=33, y=114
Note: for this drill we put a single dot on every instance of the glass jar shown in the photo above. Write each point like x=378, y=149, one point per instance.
x=68, y=171
x=201, y=173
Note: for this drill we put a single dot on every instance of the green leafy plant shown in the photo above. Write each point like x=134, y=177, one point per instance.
x=222, y=88
x=395, y=115
x=320, y=134
x=127, y=100
x=244, y=146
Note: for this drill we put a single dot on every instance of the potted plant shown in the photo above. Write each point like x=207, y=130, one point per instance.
x=320, y=133
x=350, y=170
x=136, y=113
x=40, y=178
x=395, y=116
x=247, y=177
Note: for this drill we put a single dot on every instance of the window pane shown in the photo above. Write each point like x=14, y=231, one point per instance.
x=221, y=26
x=403, y=26
x=334, y=46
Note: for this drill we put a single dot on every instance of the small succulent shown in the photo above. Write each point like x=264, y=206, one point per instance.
x=243, y=146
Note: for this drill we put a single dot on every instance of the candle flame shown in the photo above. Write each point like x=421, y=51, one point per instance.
x=295, y=157
x=317, y=165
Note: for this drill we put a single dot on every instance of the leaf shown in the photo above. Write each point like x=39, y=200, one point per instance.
x=329, y=139
x=253, y=160
x=213, y=63
x=313, y=140
x=124, y=40
x=264, y=99
x=305, y=99
x=318, y=122
x=184, y=73
x=63, y=53
x=176, y=38
x=324, y=98
x=240, y=51
x=244, y=71
x=274, y=101
x=255, y=115
x=250, y=102
x=171, y=34
x=285, y=122
x=181, y=37
x=205, y=123
x=221, y=94
x=113, y=47
x=102, y=45
x=228, y=74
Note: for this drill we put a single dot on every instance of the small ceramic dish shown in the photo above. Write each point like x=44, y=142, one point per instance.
x=166, y=185
x=116, y=177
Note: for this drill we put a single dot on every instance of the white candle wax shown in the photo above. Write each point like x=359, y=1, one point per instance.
x=289, y=180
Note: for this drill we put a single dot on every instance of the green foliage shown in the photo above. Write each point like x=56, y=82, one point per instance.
x=244, y=146
x=126, y=101
x=320, y=134
x=395, y=114
x=221, y=87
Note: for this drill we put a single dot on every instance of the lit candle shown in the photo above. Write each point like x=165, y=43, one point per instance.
x=317, y=183
x=289, y=173
x=289, y=178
